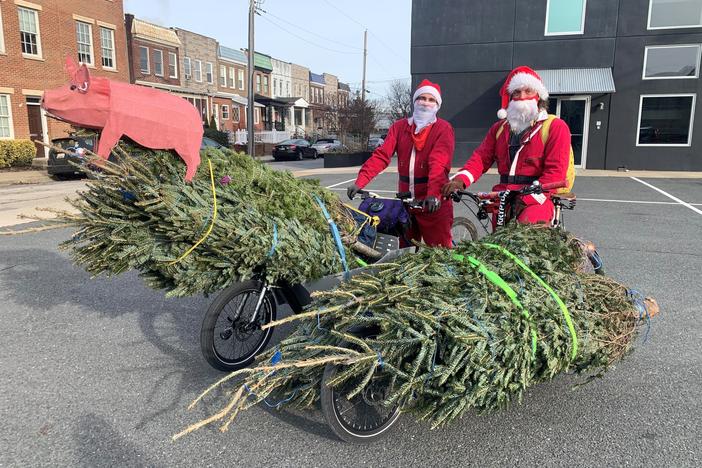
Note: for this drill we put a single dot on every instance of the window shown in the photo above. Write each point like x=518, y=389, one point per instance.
x=678, y=61
x=236, y=114
x=669, y=14
x=257, y=115
x=107, y=42
x=144, y=60
x=84, y=35
x=29, y=32
x=158, y=62
x=172, y=65
x=231, y=77
x=6, y=130
x=187, y=68
x=198, y=71
x=565, y=17
x=241, y=79
x=275, y=85
x=666, y=120
x=225, y=112
x=265, y=84
x=2, y=38
x=210, y=72
x=222, y=75
x=258, y=83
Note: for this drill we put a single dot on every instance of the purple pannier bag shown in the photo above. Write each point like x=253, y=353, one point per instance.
x=392, y=213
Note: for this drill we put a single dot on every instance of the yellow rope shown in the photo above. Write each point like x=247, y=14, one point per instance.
x=373, y=220
x=214, y=217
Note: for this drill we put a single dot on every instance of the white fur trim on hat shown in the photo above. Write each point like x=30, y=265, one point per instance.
x=525, y=80
x=427, y=90
x=502, y=114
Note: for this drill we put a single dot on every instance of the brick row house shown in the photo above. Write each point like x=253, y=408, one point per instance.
x=35, y=38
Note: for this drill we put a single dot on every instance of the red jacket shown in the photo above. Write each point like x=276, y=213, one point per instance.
x=547, y=162
x=421, y=172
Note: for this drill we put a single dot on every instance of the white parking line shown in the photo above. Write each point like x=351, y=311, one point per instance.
x=344, y=182
x=696, y=210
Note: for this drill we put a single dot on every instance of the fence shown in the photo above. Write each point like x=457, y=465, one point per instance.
x=272, y=136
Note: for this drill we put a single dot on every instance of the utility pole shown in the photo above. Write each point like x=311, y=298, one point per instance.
x=363, y=91
x=250, y=147
x=365, y=55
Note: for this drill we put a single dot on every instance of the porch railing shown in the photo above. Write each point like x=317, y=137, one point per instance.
x=268, y=136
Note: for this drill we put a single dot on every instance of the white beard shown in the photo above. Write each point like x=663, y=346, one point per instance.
x=520, y=114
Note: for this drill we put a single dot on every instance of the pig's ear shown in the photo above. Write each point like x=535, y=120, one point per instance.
x=71, y=66
x=82, y=78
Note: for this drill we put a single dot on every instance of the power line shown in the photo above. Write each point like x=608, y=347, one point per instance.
x=315, y=34
x=274, y=23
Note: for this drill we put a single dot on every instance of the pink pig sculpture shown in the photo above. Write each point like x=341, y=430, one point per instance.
x=154, y=119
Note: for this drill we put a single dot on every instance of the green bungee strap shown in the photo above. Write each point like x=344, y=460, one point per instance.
x=561, y=304
x=497, y=280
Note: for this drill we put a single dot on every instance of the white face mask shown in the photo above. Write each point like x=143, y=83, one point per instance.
x=424, y=114
x=520, y=114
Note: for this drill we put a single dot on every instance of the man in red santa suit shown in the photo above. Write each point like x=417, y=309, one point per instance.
x=516, y=144
x=424, y=145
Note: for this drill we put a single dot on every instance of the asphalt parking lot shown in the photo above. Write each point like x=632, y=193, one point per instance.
x=98, y=372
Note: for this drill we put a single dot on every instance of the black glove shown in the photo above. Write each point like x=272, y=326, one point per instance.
x=431, y=204
x=352, y=190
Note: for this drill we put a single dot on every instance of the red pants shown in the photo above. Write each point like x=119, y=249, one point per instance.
x=531, y=214
x=433, y=228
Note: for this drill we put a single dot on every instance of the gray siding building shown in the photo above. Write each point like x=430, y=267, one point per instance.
x=624, y=74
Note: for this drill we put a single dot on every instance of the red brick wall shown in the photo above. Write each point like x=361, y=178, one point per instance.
x=57, y=30
x=151, y=77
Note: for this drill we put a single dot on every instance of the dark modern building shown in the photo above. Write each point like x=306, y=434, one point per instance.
x=624, y=74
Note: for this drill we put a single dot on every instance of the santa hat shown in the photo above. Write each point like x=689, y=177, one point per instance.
x=520, y=77
x=427, y=87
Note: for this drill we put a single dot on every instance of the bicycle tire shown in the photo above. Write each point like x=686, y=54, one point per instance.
x=463, y=229
x=240, y=330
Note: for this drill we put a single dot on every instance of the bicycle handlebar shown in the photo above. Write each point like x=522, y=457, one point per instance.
x=405, y=197
x=529, y=189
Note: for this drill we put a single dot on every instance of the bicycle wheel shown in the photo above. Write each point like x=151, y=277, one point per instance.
x=463, y=229
x=362, y=419
x=231, y=336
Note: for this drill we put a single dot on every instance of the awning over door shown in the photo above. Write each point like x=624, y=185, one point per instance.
x=578, y=80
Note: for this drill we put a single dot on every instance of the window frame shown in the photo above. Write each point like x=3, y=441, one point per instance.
x=672, y=46
x=209, y=72
x=113, y=56
x=197, y=72
x=567, y=33
x=9, y=117
x=90, y=44
x=187, y=68
x=650, y=28
x=148, y=61
x=225, y=115
x=158, y=51
x=258, y=83
x=257, y=115
x=670, y=145
x=236, y=111
x=174, y=64
x=240, y=78
x=222, y=75
x=266, y=85
x=231, y=80
x=39, y=53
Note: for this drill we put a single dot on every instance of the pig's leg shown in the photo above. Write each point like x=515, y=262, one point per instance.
x=191, y=156
x=108, y=140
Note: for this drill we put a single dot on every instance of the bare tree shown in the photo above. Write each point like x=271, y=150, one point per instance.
x=399, y=100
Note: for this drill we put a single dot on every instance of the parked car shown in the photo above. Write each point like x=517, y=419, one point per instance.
x=290, y=149
x=59, y=163
x=374, y=143
x=325, y=145
x=209, y=143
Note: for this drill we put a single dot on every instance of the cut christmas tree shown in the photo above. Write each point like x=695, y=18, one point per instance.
x=451, y=330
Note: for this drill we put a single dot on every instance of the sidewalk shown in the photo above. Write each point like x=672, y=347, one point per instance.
x=29, y=176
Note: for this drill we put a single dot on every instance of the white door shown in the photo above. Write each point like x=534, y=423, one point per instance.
x=575, y=111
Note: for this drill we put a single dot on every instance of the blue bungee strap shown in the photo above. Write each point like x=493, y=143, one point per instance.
x=275, y=240
x=335, y=233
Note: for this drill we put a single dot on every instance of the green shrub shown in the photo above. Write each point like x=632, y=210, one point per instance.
x=16, y=153
x=220, y=137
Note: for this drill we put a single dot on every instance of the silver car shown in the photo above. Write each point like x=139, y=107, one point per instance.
x=326, y=145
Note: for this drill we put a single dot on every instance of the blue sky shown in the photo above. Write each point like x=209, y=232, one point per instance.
x=324, y=35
